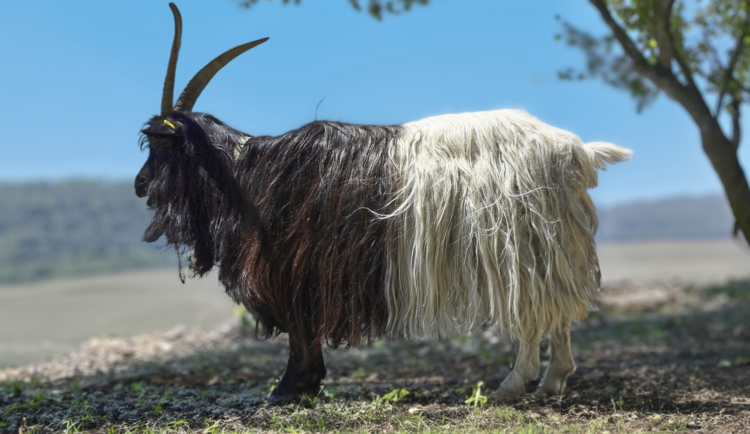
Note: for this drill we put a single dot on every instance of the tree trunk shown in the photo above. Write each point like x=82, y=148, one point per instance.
x=723, y=157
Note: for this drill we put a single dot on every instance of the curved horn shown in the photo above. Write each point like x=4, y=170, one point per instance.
x=167, y=95
x=193, y=90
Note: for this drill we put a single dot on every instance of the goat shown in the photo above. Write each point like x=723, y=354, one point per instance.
x=339, y=234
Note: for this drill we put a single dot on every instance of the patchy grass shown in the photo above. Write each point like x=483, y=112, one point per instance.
x=686, y=368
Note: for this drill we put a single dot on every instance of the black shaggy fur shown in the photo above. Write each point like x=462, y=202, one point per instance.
x=319, y=191
x=293, y=225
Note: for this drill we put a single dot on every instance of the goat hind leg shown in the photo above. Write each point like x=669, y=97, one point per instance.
x=525, y=369
x=561, y=364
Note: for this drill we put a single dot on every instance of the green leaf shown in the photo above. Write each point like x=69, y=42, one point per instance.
x=477, y=399
x=394, y=395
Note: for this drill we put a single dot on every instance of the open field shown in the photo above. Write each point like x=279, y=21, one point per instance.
x=688, y=261
x=53, y=317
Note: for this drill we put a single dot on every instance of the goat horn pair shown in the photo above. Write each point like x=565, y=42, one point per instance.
x=192, y=91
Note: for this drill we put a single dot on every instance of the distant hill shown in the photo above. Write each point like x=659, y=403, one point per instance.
x=81, y=227
x=72, y=228
x=667, y=219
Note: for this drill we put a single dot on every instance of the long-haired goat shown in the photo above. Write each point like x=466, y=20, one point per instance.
x=339, y=234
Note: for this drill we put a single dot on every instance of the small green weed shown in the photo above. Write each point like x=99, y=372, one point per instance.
x=477, y=399
x=394, y=395
x=618, y=404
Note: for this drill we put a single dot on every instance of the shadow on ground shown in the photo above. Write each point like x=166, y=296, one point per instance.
x=683, y=364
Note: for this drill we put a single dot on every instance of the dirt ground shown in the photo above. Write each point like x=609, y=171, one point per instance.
x=657, y=357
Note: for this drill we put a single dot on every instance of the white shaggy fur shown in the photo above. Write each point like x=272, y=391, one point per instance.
x=493, y=225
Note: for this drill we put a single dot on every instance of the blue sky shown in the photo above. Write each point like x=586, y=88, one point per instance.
x=79, y=79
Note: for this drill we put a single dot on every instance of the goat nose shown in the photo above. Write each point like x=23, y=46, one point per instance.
x=141, y=187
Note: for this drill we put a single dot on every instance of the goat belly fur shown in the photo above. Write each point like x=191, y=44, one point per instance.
x=427, y=229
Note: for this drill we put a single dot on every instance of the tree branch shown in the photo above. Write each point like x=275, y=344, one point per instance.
x=733, y=59
x=668, y=47
x=662, y=13
x=688, y=96
x=736, y=128
x=684, y=67
x=661, y=76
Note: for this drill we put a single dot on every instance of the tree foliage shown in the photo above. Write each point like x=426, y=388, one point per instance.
x=704, y=45
x=376, y=8
x=697, y=52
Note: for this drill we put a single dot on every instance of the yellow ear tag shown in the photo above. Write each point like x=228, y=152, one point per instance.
x=169, y=124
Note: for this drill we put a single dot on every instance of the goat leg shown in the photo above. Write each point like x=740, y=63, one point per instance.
x=561, y=364
x=301, y=377
x=526, y=369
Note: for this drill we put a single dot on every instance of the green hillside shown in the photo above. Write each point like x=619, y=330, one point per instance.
x=72, y=228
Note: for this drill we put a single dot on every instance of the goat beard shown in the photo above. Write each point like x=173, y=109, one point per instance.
x=181, y=217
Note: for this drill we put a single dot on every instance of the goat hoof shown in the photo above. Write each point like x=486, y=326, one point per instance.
x=546, y=393
x=279, y=399
x=282, y=395
x=506, y=396
x=551, y=387
x=549, y=391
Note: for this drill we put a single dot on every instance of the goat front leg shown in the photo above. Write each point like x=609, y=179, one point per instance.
x=561, y=364
x=301, y=377
x=526, y=369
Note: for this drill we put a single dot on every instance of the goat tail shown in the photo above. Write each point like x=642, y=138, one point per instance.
x=603, y=152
